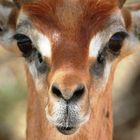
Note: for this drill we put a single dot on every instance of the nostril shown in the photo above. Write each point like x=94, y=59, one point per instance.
x=68, y=95
x=56, y=91
x=78, y=93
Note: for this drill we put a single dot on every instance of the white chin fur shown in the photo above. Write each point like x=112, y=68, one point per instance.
x=59, y=115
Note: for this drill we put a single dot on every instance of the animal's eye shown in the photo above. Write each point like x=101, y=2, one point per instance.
x=24, y=43
x=116, y=41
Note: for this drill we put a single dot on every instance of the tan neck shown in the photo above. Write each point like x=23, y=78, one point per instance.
x=99, y=127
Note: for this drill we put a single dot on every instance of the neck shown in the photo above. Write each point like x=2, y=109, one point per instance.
x=99, y=126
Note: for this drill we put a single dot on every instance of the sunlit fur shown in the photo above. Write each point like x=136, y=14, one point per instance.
x=76, y=22
x=70, y=28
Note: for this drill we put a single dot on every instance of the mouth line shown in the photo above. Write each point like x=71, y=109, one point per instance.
x=66, y=130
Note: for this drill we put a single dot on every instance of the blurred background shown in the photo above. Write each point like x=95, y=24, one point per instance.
x=13, y=98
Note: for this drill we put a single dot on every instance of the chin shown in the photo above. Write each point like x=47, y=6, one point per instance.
x=68, y=126
x=67, y=130
x=67, y=121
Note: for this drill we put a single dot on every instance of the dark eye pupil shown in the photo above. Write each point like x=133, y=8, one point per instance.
x=24, y=43
x=116, y=41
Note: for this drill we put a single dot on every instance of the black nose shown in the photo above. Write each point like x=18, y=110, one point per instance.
x=72, y=95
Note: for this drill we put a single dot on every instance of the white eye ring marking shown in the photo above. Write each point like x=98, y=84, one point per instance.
x=44, y=45
x=95, y=45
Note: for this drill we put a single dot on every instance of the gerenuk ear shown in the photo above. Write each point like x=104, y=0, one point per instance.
x=131, y=15
x=121, y=3
x=9, y=10
x=8, y=16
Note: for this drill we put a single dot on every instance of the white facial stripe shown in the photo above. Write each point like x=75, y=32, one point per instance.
x=107, y=71
x=33, y=70
x=38, y=79
x=44, y=45
x=95, y=45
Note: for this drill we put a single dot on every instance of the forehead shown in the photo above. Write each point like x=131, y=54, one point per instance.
x=70, y=16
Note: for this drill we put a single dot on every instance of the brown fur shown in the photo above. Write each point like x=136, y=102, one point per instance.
x=99, y=127
x=76, y=21
x=87, y=14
